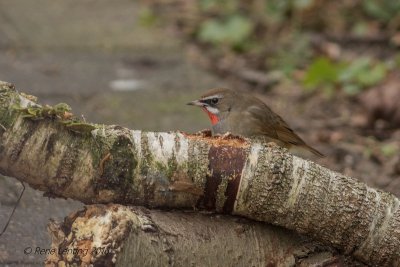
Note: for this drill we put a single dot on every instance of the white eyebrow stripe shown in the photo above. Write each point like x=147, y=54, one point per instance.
x=211, y=97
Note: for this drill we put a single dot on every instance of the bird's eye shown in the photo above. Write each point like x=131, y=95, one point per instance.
x=214, y=100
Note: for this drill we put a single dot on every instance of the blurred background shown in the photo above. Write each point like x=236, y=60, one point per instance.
x=329, y=68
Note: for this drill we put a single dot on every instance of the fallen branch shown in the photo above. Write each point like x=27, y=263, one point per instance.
x=45, y=148
x=115, y=235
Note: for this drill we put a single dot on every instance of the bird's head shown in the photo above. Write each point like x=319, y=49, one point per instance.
x=217, y=103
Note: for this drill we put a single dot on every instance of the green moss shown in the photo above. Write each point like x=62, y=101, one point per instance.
x=59, y=112
x=161, y=168
x=118, y=169
x=101, y=142
x=80, y=127
x=99, y=148
x=7, y=113
x=41, y=112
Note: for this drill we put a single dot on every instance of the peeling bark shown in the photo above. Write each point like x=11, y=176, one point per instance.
x=115, y=235
x=173, y=170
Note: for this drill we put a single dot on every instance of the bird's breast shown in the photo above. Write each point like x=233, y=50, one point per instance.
x=221, y=127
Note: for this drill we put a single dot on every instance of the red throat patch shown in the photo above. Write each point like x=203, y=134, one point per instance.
x=213, y=118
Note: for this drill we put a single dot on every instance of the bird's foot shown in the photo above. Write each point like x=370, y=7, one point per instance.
x=229, y=135
x=204, y=133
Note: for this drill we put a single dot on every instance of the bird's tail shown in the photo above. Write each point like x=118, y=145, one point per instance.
x=314, y=151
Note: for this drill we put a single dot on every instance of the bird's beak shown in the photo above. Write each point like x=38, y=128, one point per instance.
x=195, y=103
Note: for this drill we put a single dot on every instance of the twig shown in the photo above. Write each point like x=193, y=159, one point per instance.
x=15, y=207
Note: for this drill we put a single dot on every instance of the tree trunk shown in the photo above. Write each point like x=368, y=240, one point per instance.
x=53, y=152
x=116, y=235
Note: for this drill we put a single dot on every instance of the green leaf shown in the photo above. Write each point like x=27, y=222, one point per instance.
x=61, y=108
x=372, y=75
x=275, y=10
x=233, y=31
x=239, y=29
x=355, y=68
x=211, y=31
x=389, y=150
x=383, y=10
x=321, y=72
x=147, y=18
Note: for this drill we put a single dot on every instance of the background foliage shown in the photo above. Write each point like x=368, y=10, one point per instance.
x=345, y=45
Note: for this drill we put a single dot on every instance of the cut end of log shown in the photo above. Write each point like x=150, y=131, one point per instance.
x=220, y=140
x=93, y=236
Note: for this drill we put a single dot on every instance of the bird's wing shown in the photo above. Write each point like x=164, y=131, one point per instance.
x=272, y=125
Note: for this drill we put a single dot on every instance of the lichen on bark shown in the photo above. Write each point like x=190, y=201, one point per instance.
x=176, y=170
x=291, y=192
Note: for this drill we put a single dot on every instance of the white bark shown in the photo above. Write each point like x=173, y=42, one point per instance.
x=103, y=164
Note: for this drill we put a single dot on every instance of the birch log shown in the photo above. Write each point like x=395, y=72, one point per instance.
x=48, y=149
x=115, y=235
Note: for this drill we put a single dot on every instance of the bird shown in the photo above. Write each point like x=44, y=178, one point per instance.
x=242, y=114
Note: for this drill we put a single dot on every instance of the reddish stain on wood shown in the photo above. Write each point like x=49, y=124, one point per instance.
x=225, y=162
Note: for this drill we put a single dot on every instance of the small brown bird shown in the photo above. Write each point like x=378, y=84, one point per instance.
x=246, y=115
